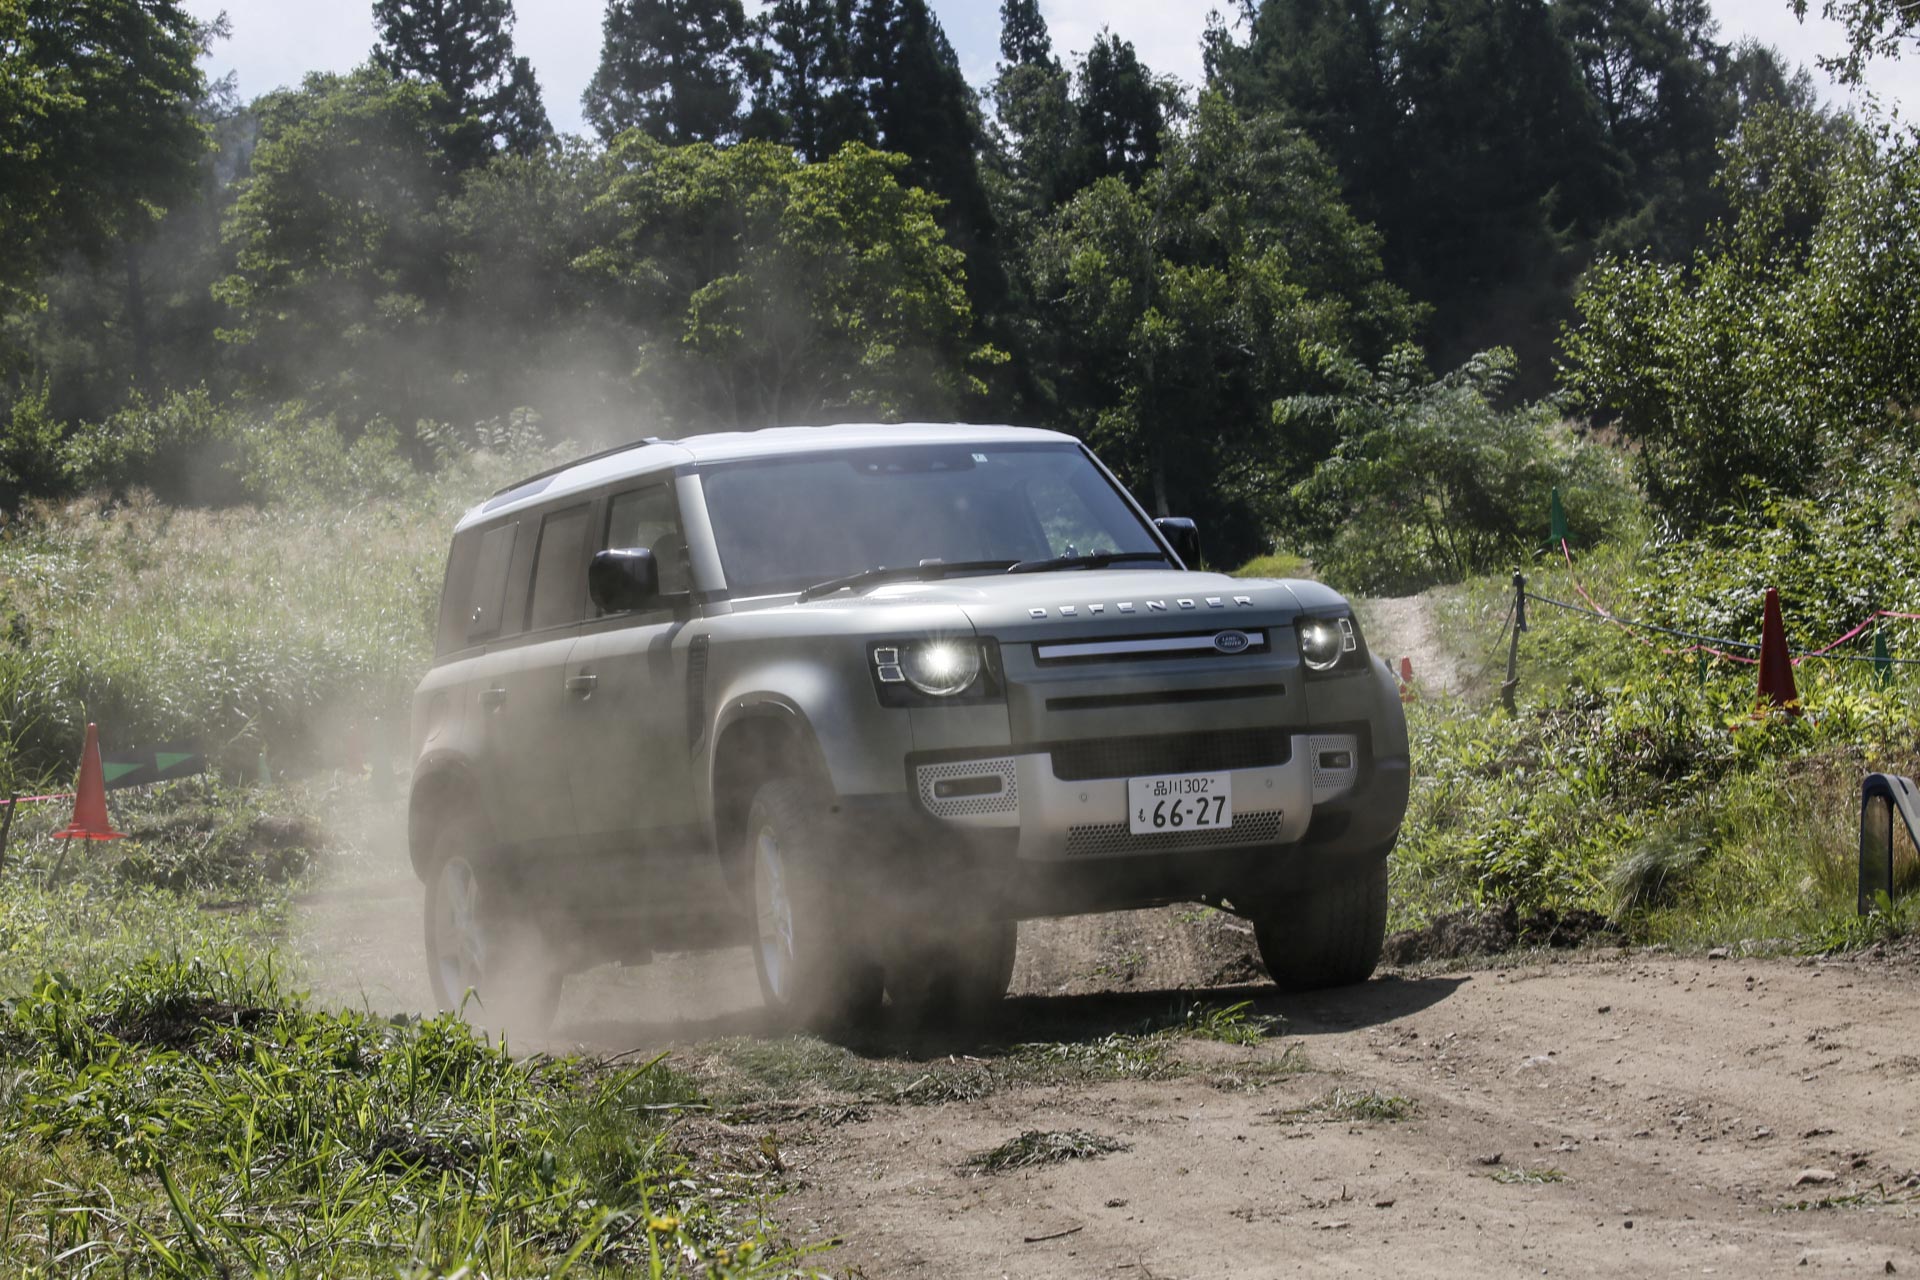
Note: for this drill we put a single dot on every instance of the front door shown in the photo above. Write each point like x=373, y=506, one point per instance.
x=627, y=702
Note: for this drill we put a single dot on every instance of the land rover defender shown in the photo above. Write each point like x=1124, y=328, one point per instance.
x=865, y=697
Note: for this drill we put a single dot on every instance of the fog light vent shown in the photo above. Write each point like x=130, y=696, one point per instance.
x=1335, y=758
x=967, y=788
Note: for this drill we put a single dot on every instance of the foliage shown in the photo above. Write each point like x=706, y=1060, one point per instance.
x=227, y=1129
x=30, y=448
x=489, y=100
x=1172, y=315
x=101, y=136
x=339, y=267
x=1430, y=481
x=670, y=69
x=1770, y=364
x=1875, y=29
x=784, y=292
x=181, y=449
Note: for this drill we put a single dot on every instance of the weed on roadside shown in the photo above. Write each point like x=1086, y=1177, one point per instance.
x=1042, y=1147
x=1352, y=1106
x=1526, y=1177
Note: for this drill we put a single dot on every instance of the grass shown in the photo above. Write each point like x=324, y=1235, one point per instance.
x=1513, y=1176
x=1350, y=1106
x=194, y=1118
x=1628, y=786
x=1038, y=1147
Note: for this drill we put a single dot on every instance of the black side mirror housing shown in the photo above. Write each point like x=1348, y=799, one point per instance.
x=623, y=579
x=1183, y=535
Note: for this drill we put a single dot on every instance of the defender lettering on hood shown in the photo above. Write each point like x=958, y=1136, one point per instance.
x=1151, y=606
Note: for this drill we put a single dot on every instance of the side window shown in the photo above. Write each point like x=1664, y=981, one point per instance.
x=646, y=518
x=560, y=570
x=485, y=600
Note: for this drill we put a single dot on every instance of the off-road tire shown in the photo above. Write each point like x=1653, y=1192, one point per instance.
x=814, y=971
x=504, y=980
x=946, y=974
x=1325, y=937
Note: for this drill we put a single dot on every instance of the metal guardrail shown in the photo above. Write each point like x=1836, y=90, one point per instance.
x=1883, y=795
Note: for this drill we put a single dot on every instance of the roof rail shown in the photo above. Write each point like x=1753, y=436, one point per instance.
x=642, y=442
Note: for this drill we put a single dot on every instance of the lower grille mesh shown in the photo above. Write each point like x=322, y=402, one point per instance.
x=1110, y=838
x=1211, y=752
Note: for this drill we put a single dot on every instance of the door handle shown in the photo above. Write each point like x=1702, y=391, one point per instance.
x=582, y=684
x=493, y=699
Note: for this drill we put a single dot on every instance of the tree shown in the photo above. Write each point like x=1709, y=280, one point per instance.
x=1875, y=29
x=340, y=268
x=1176, y=313
x=489, y=99
x=1121, y=112
x=805, y=93
x=101, y=135
x=1032, y=99
x=775, y=291
x=923, y=108
x=1024, y=41
x=670, y=68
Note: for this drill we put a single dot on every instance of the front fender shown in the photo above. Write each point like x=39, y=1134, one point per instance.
x=856, y=744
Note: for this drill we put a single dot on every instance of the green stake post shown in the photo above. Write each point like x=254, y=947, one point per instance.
x=1557, y=518
x=1882, y=660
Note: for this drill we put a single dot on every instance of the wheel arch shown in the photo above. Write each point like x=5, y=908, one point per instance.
x=442, y=785
x=756, y=741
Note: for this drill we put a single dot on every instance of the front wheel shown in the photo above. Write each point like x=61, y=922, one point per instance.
x=484, y=960
x=811, y=972
x=1329, y=936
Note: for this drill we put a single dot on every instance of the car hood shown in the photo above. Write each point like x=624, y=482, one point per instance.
x=1039, y=606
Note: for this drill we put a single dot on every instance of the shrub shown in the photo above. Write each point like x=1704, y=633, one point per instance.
x=1431, y=481
x=182, y=450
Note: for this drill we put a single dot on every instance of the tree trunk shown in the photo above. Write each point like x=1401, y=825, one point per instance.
x=137, y=330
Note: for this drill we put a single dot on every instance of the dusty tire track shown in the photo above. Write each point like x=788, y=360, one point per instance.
x=1679, y=1120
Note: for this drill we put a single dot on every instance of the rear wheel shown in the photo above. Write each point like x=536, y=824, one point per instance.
x=484, y=959
x=1325, y=937
x=811, y=971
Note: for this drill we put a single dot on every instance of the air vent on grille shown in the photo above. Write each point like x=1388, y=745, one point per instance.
x=1113, y=838
x=1208, y=752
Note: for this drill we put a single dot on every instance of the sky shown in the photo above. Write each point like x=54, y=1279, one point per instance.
x=275, y=42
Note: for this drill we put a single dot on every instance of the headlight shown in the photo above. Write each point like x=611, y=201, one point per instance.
x=935, y=668
x=1325, y=641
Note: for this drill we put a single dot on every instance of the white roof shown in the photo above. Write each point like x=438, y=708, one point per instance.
x=729, y=446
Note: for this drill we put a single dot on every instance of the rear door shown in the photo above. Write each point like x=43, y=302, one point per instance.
x=521, y=693
x=627, y=719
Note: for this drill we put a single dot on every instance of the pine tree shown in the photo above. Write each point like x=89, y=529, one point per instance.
x=491, y=101
x=805, y=94
x=670, y=68
x=922, y=106
x=1122, y=111
x=1024, y=41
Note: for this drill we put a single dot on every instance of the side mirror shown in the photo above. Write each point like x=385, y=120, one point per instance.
x=1184, y=536
x=621, y=580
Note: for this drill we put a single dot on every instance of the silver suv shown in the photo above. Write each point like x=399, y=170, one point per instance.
x=864, y=697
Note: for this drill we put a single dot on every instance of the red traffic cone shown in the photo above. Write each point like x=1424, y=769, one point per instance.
x=1776, y=664
x=1406, y=680
x=90, y=798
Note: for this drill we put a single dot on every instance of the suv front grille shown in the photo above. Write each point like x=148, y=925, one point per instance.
x=1213, y=751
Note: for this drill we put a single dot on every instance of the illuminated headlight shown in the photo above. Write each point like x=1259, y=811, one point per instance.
x=1325, y=641
x=941, y=668
x=912, y=671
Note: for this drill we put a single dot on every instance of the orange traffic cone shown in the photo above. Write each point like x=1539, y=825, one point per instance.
x=90, y=798
x=1776, y=664
x=1406, y=680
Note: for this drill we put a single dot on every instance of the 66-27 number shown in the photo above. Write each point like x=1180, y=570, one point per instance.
x=1204, y=812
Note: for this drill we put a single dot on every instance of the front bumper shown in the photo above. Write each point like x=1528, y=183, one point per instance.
x=1056, y=815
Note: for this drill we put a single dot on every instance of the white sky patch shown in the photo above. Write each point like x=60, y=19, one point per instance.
x=276, y=42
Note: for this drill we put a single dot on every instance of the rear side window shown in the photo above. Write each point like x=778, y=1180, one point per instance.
x=647, y=518
x=560, y=570
x=476, y=588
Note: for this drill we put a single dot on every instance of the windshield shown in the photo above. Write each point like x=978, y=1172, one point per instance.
x=787, y=523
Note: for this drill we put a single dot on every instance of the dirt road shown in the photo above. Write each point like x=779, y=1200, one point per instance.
x=1595, y=1114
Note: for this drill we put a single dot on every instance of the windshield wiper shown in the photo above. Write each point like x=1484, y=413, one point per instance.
x=1098, y=560
x=902, y=573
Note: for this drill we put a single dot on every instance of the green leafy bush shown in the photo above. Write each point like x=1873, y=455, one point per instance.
x=1432, y=481
x=182, y=449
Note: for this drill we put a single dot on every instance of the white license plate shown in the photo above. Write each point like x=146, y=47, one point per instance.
x=1179, y=802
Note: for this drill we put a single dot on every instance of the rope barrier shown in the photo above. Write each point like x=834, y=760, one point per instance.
x=1716, y=645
